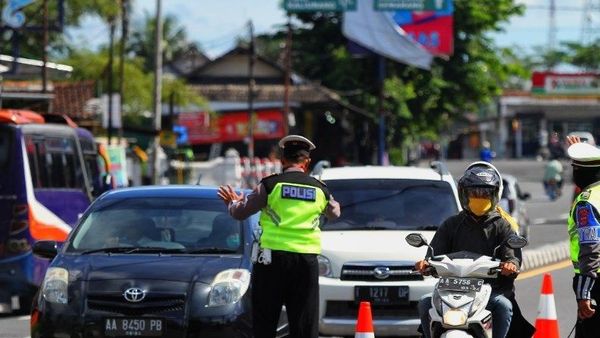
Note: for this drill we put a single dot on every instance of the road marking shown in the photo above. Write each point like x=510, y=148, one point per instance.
x=23, y=318
x=561, y=218
x=544, y=269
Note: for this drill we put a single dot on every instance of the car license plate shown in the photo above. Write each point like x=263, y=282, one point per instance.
x=140, y=327
x=460, y=284
x=382, y=295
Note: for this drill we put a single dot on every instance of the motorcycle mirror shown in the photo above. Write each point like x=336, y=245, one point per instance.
x=416, y=240
x=516, y=242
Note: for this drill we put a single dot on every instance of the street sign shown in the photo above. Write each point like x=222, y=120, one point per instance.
x=411, y=5
x=319, y=5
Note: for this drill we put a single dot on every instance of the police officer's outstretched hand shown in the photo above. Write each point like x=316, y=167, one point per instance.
x=584, y=309
x=228, y=195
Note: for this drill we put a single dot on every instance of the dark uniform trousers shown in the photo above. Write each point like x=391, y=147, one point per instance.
x=589, y=328
x=292, y=279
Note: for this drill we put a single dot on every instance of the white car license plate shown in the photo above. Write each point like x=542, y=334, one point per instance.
x=382, y=295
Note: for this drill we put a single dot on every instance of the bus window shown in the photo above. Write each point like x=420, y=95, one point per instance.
x=53, y=162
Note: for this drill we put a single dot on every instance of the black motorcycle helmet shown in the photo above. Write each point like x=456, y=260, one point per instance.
x=482, y=179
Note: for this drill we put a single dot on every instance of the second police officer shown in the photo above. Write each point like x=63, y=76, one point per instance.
x=287, y=269
x=584, y=235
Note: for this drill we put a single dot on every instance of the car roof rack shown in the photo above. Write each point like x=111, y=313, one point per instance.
x=439, y=167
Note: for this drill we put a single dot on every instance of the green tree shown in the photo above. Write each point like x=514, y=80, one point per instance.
x=175, y=40
x=584, y=56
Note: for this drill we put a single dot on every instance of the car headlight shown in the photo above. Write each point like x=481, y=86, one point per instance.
x=228, y=287
x=455, y=317
x=55, y=286
x=324, y=266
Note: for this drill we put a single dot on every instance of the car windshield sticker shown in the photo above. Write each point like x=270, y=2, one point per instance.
x=587, y=224
x=299, y=193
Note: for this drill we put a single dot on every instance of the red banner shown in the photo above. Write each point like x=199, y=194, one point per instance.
x=202, y=128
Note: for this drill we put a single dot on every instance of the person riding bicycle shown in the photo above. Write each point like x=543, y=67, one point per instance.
x=478, y=228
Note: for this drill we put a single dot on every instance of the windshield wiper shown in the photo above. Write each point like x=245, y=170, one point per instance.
x=211, y=250
x=129, y=249
x=109, y=250
x=374, y=227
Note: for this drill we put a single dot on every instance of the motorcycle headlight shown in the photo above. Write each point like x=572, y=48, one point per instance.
x=324, y=266
x=228, y=287
x=455, y=317
x=55, y=286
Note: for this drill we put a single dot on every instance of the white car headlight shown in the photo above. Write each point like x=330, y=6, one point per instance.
x=324, y=266
x=228, y=287
x=55, y=286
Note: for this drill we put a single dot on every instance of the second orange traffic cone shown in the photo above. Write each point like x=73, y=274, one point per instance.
x=364, y=324
x=546, y=324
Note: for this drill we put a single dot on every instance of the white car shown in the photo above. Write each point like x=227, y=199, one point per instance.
x=364, y=252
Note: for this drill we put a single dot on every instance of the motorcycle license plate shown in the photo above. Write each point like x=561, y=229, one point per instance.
x=460, y=284
x=382, y=295
x=140, y=327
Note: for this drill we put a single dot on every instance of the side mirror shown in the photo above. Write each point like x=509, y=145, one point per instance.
x=46, y=249
x=525, y=196
x=516, y=242
x=416, y=240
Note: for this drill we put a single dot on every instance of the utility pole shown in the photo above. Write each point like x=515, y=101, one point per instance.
x=157, y=89
x=552, y=26
x=288, y=72
x=124, y=32
x=381, y=81
x=110, y=77
x=45, y=52
x=251, y=61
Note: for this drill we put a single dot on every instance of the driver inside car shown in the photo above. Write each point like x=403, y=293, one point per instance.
x=478, y=228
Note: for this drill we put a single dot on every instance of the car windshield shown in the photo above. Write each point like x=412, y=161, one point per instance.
x=394, y=204
x=175, y=225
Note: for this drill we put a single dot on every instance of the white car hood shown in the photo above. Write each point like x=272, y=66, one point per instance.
x=341, y=247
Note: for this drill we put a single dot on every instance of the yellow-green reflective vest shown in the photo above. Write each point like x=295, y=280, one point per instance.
x=290, y=221
x=591, y=195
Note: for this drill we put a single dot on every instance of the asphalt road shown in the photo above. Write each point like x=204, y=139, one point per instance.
x=549, y=227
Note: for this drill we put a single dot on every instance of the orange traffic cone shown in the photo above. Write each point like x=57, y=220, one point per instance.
x=546, y=324
x=364, y=324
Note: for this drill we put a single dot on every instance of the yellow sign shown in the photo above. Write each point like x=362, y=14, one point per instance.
x=168, y=139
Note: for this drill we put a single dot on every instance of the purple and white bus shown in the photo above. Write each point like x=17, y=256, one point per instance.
x=49, y=174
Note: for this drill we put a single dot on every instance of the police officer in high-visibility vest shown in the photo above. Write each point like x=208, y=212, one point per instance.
x=584, y=235
x=286, y=271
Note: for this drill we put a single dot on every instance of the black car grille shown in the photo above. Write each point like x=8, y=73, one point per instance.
x=349, y=309
x=367, y=273
x=153, y=303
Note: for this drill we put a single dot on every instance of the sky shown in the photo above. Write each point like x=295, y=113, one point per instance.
x=215, y=25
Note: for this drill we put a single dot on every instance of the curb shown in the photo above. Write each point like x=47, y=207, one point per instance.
x=545, y=254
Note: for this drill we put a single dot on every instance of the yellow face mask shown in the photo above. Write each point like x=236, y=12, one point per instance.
x=479, y=206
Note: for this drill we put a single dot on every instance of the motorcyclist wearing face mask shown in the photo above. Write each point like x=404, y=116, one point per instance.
x=584, y=235
x=478, y=228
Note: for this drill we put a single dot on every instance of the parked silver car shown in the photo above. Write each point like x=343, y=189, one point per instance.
x=512, y=201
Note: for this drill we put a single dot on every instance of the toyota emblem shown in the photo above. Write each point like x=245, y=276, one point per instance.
x=134, y=295
x=381, y=272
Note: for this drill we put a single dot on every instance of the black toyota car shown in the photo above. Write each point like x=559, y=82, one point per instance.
x=162, y=261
